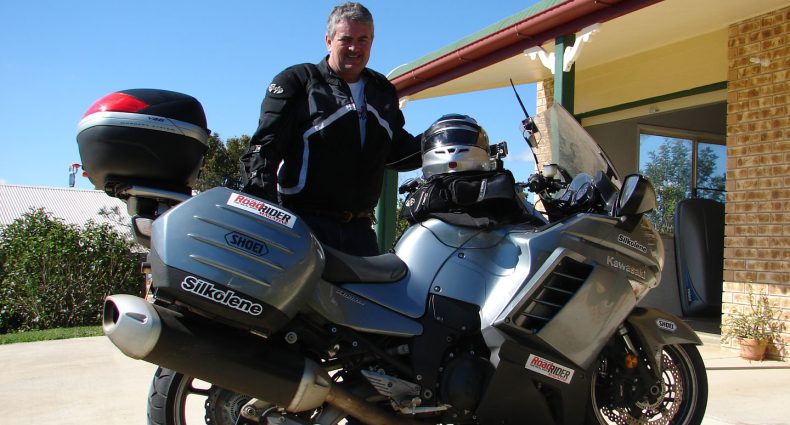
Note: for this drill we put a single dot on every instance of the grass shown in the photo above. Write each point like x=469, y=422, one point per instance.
x=50, y=334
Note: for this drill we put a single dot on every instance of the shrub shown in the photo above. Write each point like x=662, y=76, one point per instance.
x=57, y=275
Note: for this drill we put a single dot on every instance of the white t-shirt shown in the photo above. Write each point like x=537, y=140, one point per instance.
x=358, y=93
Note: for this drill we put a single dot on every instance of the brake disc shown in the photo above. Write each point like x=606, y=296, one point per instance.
x=661, y=409
x=223, y=407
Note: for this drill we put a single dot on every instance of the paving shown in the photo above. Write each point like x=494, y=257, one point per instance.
x=88, y=381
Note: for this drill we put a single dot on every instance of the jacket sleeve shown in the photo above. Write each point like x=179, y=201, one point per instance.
x=269, y=143
x=405, y=153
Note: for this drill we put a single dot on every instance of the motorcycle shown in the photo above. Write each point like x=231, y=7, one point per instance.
x=530, y=322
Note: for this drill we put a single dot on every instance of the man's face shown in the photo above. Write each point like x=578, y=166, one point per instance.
x=349, y=49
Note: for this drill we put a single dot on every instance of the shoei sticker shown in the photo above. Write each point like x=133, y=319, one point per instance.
x=247, y=244
x=549, y=368
x=666, y=325
x=263, y=209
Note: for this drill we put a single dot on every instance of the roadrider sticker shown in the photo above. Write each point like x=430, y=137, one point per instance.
x=549, y=368
x=263, y=209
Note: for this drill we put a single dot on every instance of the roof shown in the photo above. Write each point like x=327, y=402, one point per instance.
x=74, y=206
x=492, y=56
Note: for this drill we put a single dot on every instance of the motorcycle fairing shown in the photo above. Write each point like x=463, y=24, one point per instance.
x=540, y=399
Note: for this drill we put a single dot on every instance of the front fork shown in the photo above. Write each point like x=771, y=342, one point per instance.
x=633, y=364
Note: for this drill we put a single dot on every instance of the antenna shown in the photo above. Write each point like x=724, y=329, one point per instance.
x=526, y=114
x=527, y=125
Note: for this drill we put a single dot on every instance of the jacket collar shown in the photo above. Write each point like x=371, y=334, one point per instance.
x=335, y=79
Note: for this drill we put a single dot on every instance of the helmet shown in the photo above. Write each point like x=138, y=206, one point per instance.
x=455, y=143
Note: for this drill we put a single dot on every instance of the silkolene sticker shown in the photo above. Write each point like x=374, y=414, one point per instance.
x=263, y=209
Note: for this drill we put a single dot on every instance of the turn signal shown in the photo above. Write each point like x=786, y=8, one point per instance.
x=631, y=361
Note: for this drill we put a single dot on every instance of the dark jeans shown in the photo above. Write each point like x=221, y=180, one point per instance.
x=355, y=237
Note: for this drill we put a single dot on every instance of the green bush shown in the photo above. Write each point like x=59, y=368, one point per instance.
x=57, y=275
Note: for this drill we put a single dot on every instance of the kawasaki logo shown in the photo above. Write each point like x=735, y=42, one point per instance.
x=227, y=297
x=549, y=368
x=636, y=271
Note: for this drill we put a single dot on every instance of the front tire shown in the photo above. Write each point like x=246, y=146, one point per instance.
x=683, y=398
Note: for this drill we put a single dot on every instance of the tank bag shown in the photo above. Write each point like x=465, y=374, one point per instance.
x=474, y=199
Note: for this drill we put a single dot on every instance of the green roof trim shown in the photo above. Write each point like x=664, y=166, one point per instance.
x=531, y=11
x=642, y=102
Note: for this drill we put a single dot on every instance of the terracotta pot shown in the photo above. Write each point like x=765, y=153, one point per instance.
x=753, y=349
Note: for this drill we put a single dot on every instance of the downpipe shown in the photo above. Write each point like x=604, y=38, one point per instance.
x=228, y=359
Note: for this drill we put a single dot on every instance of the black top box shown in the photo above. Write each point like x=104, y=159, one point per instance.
x=146, y=137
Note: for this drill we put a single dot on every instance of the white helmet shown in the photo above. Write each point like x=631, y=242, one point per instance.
x=455, y=143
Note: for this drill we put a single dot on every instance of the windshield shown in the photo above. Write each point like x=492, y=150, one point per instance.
x=571, y=147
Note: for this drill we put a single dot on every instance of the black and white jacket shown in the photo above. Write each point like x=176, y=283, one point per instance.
x=307, y=146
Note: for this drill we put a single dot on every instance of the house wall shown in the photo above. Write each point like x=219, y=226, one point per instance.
x=757, y=223
x=684, y=65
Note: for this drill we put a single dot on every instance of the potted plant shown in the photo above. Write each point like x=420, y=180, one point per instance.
x=755, y=326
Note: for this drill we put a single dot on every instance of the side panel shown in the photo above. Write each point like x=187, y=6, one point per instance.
x=421, y=249
x=342, y=307
x=221, y=250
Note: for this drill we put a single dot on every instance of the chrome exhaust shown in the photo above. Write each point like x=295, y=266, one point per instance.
x=213, y=353
x=232, y=360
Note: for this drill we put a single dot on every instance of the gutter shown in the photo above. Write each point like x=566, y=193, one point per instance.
x=563, y=19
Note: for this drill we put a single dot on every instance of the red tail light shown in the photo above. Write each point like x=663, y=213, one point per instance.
x=116, y=102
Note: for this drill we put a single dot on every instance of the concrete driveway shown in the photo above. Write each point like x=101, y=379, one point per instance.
x=75, y=381
x=88, y=381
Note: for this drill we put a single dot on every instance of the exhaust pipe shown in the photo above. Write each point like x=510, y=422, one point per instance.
x=229, y=359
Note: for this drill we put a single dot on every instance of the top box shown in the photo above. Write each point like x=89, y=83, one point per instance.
x=146, y=137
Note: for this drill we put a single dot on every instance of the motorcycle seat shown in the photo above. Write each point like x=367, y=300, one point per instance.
x=344, y=268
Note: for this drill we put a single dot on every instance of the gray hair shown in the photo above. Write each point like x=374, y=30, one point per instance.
x=348, y=11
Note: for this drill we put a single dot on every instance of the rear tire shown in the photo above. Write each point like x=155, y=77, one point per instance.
x=167, y=389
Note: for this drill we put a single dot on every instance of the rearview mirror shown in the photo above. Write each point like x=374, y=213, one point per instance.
x=637, y=196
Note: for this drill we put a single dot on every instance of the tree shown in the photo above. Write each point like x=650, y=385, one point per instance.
x=669, y=169
x=57, y=275
x=221, y=167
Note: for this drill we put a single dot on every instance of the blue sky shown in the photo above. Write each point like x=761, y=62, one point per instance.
x=58, y=57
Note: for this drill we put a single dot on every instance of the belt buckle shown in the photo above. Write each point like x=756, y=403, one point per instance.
x=346, y=216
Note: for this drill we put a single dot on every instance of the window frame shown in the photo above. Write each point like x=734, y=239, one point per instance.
x=696, y=137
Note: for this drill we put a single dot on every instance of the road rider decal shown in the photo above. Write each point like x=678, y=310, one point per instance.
x=549, y=368
x=263, y=209
x=220, y=295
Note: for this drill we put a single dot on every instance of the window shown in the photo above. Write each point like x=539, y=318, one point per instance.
x=681, y=165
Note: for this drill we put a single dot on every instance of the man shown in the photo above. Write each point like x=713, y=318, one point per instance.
x=326, y=133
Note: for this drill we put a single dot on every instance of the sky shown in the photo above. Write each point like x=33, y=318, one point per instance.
x=58, y=57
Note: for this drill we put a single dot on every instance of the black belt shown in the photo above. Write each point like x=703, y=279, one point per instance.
x=341, y=216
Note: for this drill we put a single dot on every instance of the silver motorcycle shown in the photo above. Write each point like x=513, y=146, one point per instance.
x=252, y=320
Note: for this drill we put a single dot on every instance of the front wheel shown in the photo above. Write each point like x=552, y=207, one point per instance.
x=679, y=397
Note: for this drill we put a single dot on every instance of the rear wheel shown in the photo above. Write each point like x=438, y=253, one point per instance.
x=679, y=397
x=176, y=399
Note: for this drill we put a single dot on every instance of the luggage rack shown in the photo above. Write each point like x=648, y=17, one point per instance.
x=145, y=204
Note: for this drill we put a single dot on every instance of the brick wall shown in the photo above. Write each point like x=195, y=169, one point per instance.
x=757, y=221
x=544, y=99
